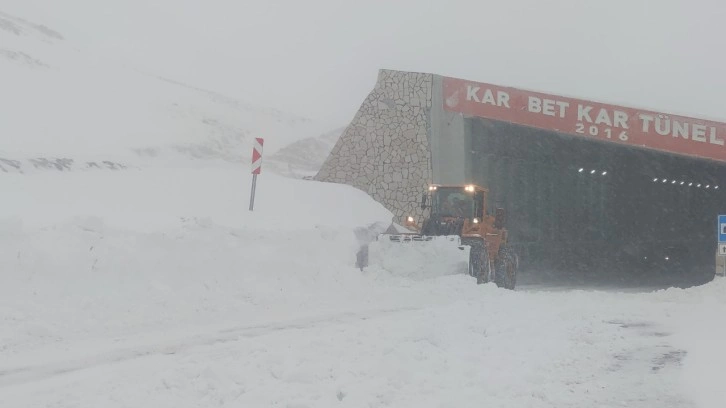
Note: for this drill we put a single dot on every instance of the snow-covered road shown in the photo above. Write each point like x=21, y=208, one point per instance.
x=485, y=348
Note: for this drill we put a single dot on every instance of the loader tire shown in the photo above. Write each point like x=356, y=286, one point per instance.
x=479, y=265
x=505, y=270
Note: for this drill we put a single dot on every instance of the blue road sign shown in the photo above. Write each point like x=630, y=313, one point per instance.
x=722, y=228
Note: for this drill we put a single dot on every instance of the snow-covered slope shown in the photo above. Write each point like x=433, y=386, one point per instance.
x=303, y=158
x=61, y=102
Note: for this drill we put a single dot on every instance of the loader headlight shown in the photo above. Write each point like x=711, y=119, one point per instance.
x=409, y=219
x=432, y=188
x=469, y=188
x=475, y=220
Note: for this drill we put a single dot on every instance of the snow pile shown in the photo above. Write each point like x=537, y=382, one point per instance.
x=153, y=199
x=117, y=253
x=85, y=278
x=413, y=259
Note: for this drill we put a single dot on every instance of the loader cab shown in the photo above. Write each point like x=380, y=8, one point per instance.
x=456, y=201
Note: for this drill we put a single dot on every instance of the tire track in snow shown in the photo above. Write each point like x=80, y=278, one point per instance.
x=650, y=367
x=21, y=375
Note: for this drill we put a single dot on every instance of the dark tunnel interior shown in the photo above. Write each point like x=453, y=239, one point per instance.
x=594, y=211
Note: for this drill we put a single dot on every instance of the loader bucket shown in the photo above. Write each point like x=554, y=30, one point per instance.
x=417, y=256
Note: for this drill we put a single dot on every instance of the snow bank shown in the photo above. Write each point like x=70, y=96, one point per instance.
x=86, y=278
x=418, y=259
x=103, y=252
x=153, y=199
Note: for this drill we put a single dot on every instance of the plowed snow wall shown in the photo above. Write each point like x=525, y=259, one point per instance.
x=385, y=149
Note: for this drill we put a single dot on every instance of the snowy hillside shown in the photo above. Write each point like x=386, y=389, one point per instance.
x=65, y=107
x=303, y=159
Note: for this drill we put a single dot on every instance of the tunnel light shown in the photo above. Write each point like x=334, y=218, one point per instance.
x=592, y=172
x=690, y=184
x=604, y=173
x=581, y=170
x=715, y=187
x=655, y=180
x=667, y=258
x=708, y=186
x=683, y=182
x=665, y=180
x=674, y=182
x=698, y=185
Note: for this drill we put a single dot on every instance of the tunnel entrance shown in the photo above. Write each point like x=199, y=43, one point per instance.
x=593, y=211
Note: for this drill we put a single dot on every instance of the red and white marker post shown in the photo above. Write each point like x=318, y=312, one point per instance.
x=256, y=167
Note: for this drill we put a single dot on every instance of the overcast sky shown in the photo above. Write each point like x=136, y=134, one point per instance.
x=320, y=58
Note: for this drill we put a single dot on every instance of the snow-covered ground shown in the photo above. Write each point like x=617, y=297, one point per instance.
x=154, y=286
x=159, y=288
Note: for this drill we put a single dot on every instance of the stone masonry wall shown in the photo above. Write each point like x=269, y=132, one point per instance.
x=385, y=149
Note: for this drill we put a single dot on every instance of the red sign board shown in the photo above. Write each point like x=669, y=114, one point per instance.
x=257, y=155
x=617, y=124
